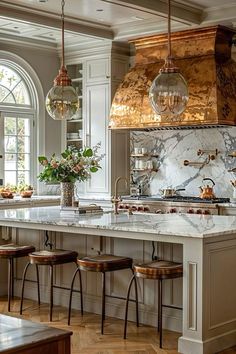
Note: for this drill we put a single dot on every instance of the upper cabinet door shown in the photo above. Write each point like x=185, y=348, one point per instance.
x=97, y=112
x=97, y=70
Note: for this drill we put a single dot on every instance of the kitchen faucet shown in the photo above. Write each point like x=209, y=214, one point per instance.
x=116, y=199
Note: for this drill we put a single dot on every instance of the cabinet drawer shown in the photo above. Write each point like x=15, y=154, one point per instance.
x=97, y=70
x=228, y=211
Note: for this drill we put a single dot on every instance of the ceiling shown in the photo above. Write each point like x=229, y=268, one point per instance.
x=89, y=21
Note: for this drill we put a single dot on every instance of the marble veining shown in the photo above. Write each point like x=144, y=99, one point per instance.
x=186, y=225
x=175, y=146
x=18, y=334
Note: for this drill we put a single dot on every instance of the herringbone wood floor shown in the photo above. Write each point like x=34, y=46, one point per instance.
x=86, y=337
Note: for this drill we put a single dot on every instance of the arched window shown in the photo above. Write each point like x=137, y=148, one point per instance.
x=13, y=89
x=18, y=124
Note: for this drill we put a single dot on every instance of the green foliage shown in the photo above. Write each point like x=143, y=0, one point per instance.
x=73, y=165
x=24, y=187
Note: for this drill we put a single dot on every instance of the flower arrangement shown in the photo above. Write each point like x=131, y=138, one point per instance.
x=73, y=165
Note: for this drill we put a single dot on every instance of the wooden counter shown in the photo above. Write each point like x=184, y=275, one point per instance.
x=21, y=336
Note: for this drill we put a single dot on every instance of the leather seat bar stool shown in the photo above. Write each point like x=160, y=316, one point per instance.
x=103, y=264
x=50, y=258
x=157, y=270
x=12, y=251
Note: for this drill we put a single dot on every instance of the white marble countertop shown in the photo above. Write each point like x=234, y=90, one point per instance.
x=186, y=225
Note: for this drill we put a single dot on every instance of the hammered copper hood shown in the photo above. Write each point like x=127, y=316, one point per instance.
x=204, y=58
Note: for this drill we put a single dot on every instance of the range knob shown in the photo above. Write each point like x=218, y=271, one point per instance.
x=190, y=211
x=134, y=208
x=173, y=210
x=121, y=206
x=127, y=206
x=158, y=211
x=199, y=211
x=206, y=212
x=146, y=208
x=140, y=208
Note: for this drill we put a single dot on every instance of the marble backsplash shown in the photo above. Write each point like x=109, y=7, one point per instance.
x=175, y=146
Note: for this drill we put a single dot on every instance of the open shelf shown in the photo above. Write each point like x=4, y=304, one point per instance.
x=77, y=79
x=144, y=169
x=74, y=139
x=232, y=154
x=75, y=121
x=144, y=155
x=76, y=125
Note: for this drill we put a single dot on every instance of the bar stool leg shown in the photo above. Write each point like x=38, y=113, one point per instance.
x=103, y=300
x=38, y=288
x=160, y=316
x=9, y=283
x=127, y=305
x=23, y=287
x=51, y=291
x=159, y=307
x=136, y=299
x=12, y=278
x=71, y=292
x=81, y=294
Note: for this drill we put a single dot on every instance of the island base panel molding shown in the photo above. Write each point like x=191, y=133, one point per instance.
x=209, y=292
x=210, y=346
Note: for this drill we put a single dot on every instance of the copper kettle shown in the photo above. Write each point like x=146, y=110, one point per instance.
x=207, y=191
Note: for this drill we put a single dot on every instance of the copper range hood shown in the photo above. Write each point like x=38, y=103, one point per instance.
x=204, y=58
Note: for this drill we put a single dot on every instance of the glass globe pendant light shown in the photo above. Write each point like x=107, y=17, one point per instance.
x=168, y=93
x=62, y=100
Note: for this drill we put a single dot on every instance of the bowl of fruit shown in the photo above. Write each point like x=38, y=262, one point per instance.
x=25, y=190
x=7, y=192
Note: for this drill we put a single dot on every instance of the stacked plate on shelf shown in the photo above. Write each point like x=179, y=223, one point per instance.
x=73, y=136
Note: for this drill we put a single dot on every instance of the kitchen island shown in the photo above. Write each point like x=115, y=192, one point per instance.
x=207, y=242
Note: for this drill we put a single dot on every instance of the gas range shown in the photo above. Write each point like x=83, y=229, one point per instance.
x=175, y=204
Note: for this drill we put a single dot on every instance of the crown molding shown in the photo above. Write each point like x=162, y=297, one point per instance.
x=51, y=20
x=221, y=13
x=145, y=28
x=179, y=12
x=108, y=48
x=27, y=42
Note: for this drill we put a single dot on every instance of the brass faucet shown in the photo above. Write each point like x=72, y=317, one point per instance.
x=116, y=199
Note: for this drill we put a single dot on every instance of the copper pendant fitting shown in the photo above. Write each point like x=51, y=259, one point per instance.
x=169, y=67
x=62, y=78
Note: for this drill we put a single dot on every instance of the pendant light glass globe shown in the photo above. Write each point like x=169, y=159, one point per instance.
x=62, y=102
x=169, y=93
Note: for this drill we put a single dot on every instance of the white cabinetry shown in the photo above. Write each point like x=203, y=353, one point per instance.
x=97, y=70
x=97, y=109
x=102, y=78
x=102, y=73
x=229, y=210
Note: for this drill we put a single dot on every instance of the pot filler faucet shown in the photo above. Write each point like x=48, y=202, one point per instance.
x=116, y=199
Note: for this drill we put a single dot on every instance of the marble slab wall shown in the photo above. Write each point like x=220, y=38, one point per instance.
x=175, y=146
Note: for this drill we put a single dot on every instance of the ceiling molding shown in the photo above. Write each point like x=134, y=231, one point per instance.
x=27, y=42
x=220, y=13
x=21, y=13
x=179, y=12
x=145, y=28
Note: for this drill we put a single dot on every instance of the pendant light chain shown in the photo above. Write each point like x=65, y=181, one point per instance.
x=169, y=30
x=63, y=32
x=168, y=93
